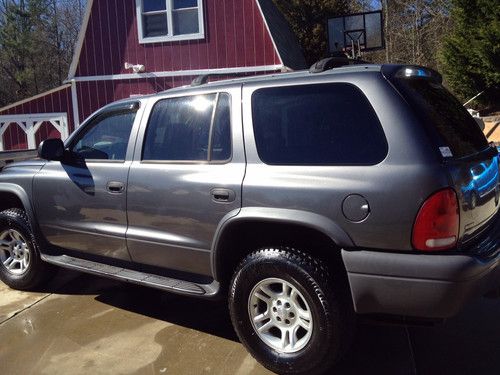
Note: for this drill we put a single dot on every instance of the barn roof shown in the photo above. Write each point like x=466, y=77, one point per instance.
x=285, y=40
x=79, y=42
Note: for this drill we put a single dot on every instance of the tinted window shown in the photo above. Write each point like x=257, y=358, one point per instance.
x=179, y=129
x=221, y=133
x=323, y=124
x=437, y=107
x=106, y=137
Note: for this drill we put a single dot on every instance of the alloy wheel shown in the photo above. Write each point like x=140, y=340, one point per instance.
x=14, y=252
x=280, y=315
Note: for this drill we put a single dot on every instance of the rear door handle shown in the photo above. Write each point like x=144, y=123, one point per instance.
x=221, y=195
x=115, y=187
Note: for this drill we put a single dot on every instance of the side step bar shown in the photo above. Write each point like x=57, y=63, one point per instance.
x=122, y=274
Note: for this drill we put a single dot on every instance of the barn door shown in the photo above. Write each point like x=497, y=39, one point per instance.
x=28, y=125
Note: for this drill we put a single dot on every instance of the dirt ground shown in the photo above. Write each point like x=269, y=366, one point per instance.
x=492, y=130
x=81, y=324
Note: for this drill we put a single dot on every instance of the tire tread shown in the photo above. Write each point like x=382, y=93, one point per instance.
x=327, y=290
x=41, y=271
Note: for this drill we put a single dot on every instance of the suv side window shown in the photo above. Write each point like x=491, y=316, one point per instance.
x=221, y=132
x=320, y=124
x=106, y=137
x=191, y=128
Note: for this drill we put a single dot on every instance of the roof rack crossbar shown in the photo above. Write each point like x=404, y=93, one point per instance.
x=203, y=79
x=334, y=62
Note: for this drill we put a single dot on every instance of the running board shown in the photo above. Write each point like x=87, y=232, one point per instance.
x=123, y=274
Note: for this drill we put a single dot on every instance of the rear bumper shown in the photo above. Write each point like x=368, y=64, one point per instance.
x=418, y=285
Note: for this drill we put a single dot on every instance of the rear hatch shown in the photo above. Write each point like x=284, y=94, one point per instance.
x=472, y=163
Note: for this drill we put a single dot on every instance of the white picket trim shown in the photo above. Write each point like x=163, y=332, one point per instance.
x=30, y=124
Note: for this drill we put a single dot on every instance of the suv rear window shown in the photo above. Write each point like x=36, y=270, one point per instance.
x=437, y=107
x=320, y=124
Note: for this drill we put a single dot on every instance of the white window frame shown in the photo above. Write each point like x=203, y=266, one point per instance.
x=169, y=37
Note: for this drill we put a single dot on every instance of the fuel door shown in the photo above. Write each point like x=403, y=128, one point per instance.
x=355, y=208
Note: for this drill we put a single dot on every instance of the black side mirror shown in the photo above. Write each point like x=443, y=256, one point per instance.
x=51, y=149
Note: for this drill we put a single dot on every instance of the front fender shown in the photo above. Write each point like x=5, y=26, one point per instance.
x=18, y=191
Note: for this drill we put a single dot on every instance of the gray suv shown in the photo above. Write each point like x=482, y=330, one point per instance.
x=305, y=198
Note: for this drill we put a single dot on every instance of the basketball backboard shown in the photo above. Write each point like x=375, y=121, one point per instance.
x=355, y=33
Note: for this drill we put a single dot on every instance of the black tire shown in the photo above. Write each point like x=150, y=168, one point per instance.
x=326, y=295
x=37, y=272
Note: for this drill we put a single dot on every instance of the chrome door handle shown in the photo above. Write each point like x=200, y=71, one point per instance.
x=115, y=187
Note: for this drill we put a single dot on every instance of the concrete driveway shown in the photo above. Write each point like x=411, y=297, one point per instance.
x=81, y=324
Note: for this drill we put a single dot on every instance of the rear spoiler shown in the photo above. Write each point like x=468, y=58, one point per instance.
x=411, y=72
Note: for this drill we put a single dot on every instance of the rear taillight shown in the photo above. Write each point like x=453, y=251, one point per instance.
x=437, y=223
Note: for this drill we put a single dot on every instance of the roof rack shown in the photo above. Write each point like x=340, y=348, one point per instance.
x=203, y=79
x=334, y=62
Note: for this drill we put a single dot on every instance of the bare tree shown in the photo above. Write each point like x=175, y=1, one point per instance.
x=37, y=39
x=414, y=30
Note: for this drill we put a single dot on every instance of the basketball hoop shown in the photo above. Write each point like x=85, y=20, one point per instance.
x=355, y=43
x=354, y=34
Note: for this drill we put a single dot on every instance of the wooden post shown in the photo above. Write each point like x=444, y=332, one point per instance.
x=30, y=134
x=386, y=30
x=3, y=127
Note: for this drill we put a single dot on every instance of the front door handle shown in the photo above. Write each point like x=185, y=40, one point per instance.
x=221, y=195
x=115, y=187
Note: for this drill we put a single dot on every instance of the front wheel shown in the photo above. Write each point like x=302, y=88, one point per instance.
x=20, y=264
x=289, y=312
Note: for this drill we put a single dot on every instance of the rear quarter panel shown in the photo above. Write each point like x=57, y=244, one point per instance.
x=395, y=188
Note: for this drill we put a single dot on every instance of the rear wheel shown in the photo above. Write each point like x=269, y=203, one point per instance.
x=20, y=264
x=289, y=311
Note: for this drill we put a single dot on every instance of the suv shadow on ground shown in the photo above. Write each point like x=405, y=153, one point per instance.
x=463, y=345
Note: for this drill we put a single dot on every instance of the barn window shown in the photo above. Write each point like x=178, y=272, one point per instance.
x=168, y=20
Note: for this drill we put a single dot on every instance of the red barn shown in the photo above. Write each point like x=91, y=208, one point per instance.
x=137, y=47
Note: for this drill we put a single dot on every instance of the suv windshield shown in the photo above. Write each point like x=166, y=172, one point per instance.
x=436, y=106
